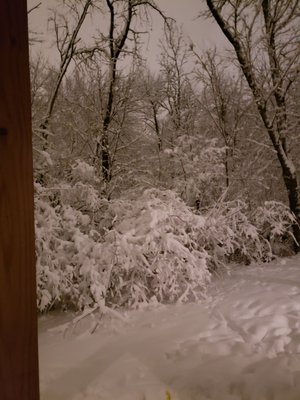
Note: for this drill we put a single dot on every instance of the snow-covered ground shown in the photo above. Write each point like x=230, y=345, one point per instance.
x=241, y=342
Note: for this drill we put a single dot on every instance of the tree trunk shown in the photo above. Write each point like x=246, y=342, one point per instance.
x=292, y=186
x=106, y=167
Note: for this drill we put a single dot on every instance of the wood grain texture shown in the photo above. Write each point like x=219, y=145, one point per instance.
x=18, y=319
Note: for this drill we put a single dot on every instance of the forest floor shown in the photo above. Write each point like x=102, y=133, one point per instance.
x=241, y=342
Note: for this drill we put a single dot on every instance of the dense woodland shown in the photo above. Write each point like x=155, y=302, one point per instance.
x=148, y=182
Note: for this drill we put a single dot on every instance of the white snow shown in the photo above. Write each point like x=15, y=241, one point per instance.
x=241, y=342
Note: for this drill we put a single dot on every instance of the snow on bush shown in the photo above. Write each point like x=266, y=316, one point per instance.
x=274, y=222
x=151, y=254
x=231, y=235
x=274, y=219
x=236, y=234
x=61, y=250
x=157, y=255
x=197, y=178
x=142, y=250
x=84, y=172
x=81, y=196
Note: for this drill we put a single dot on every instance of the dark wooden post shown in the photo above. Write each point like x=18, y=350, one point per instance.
x=18, y=319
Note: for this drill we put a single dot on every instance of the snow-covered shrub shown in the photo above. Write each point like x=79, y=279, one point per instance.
x=156, y=251
x=84, y=172
x=66, y=251
x=198, y=168
x=151, y=254
x=230, y=235
x=234, y=233
x=80, y=196
x=151, y=248
x=274, y=221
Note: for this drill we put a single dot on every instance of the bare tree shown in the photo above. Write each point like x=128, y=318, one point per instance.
x=124, y=16
x=151, y=109
x=221, y=98
x=265, y=36
x=174, y=57
x=29, y=11
x=179, y=97
x=66, y=41
x=33, y=36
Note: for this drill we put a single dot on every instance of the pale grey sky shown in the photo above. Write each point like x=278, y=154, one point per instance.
x=203, y=33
